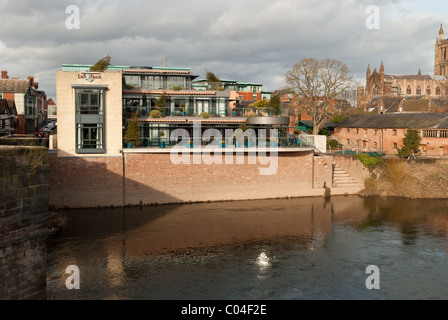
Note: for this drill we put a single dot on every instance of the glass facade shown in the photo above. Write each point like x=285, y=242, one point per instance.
x=89, y=104
x=157, y=82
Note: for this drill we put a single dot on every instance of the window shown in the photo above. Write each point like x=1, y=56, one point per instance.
x=395, y=145
x=438, y=91
x=90, y=120
x=90, y=136
x=408, y=90
x=395, y=132
x=357, y=130
x=428, y=90
x=89, y=102
x=419, y=90
x=348, y=129
x=376, y=132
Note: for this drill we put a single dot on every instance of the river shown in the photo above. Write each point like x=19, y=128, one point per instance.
x=289, y=249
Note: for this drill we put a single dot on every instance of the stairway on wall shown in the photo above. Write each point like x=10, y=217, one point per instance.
x=341, y=179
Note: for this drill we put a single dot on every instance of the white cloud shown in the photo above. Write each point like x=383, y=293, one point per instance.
x=247, y=40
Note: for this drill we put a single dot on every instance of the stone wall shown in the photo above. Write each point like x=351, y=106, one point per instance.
x=152, y=178
x=24, y=177
x=352, y=166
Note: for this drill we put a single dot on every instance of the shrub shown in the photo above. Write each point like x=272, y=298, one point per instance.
x=176, y=88
x=297, y=131
x=333, y=143
x=132, y=133
x=155, y=114
x=205, y=115
x=369, y=161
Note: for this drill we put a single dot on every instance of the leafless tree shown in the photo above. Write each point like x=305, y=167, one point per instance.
x=318, y=84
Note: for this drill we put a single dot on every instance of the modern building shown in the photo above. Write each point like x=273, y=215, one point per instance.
x=95, y=108
x=247, y=91
x=384, y=133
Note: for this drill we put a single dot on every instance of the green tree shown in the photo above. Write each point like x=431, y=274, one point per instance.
x=102, y=64
x=212, y=79
x=336, y=119
x=275, y=104
x=411, y=143
x=132, y=133
x=260, y=104
x=161, y=102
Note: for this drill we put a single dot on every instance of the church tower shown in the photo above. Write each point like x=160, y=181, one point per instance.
x=440, y=61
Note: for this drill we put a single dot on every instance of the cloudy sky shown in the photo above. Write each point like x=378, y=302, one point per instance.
x=245, y=40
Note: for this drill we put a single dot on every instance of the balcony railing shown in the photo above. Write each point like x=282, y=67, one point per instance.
x=285, y=142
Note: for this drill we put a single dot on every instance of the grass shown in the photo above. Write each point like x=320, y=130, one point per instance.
x=394, y=170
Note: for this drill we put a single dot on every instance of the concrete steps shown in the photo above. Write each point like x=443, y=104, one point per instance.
x=341, y=179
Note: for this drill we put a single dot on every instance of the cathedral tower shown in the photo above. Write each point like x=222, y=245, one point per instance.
x=440, y=61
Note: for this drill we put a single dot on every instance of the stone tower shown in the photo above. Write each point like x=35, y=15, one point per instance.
x=441, y=61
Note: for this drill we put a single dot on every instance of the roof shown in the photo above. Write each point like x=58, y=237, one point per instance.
x=9, y=106
x=157, y=71
x=396, y=120
x=14, y=85
x=229, y=81
x=407, y=77
x=310, y=124
x=172, y=92
x=86, y=67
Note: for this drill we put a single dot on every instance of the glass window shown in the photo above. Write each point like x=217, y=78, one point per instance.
x=89, y=102
x=90, y=136
x=89, y=120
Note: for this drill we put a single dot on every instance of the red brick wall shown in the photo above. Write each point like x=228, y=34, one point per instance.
x=21, y=125
x=247, y=96
x=385, y=140
x=153, y=178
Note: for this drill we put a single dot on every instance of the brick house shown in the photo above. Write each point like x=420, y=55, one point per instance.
x=384, y=133
x=28, y=100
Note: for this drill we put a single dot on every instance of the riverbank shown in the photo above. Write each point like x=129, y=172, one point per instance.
x=422, y=179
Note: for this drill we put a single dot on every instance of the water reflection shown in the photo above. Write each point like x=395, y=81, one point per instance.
x=296, y=248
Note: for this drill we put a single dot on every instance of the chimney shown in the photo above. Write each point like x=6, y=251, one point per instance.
x=5, y=75
x=31, y=81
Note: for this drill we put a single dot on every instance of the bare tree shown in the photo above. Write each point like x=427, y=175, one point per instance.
x=317, y=84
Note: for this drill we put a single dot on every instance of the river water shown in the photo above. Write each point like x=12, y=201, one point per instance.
x=310, y=248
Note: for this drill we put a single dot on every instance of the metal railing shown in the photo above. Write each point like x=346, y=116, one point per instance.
x=292, y=142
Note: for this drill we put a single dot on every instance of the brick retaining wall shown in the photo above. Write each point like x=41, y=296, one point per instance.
x=152, y=178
